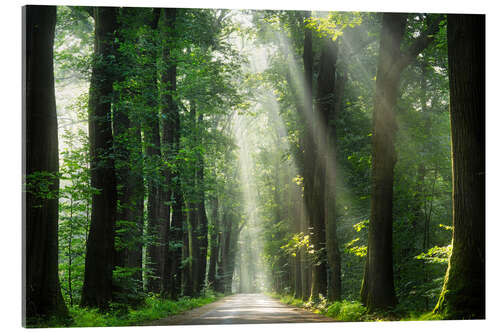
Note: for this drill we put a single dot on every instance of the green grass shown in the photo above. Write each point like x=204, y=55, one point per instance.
x=350, y=311
x=154, y=307
x=341, y=311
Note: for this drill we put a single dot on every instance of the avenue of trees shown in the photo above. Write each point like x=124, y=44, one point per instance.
x=175, y=153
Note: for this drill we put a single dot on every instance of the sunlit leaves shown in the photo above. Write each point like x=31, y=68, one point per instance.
x=436, y=254
x=357, y=250
x=333, y=25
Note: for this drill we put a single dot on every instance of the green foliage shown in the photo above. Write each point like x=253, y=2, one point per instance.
x=346, y=311
x=436, y=254
x=153, y=308
x=342, y=311
x=74, y=213
x=334, y=23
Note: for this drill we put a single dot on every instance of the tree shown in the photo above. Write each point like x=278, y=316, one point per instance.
x=75, y=201
x=153, y=157
x=463, y=293
x=377, y=291
x=99, y=260
x=328, y=105
x=42, y=289
x=127, y=149
x=171, y=136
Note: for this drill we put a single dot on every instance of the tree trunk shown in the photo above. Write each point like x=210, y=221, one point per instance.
x=153, y=162
x=187, y=276
x=128, y=165
x=378, y=281
x=377, y=290
x=463, y=293
x=325, y=164
x=329, y=100
x=214, y=243
x=176, y=240
x=42, y=292
x=170, y=116
x=202, y=230
x=99, y=260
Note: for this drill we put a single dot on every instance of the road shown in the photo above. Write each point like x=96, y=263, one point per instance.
x=243, y=309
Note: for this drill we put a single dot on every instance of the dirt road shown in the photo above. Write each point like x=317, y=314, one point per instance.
x=243, y=309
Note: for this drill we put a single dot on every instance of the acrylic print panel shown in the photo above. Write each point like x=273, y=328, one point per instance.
x=208, y=166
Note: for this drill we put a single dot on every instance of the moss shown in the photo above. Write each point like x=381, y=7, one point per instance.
x=460, y=298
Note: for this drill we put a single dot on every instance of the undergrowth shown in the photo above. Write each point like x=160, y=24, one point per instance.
x=353, y=311
x=154, y=307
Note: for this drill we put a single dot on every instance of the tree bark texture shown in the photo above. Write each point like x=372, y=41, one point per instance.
x=463, y=293
x=169, y=115
x=128, y=164
x=214, y=243
x=378, y=282
x=99, y=260
x=153, y=161
x=377, y=290
x=41, y=291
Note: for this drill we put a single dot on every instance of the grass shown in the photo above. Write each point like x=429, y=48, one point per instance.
x=352, y=311
x=154, y=307
x=341, y=311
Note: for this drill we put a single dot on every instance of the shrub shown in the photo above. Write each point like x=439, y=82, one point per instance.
x=346, y=311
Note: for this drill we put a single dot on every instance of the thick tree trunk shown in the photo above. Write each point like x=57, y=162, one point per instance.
x=325, y=164
x=377, y=290
x=329, y=103
x=128, y=165
x=463, y=293
x=170, y=115
x=378, y=282
x=99, y=260
x=313, y=187
x=42, y=292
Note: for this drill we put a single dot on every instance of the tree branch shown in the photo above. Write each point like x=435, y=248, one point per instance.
x=421, y=42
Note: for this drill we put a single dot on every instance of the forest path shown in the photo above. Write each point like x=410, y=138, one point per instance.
x=243, y=309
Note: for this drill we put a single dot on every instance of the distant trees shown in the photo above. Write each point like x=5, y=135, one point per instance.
x=42, y=289
x=463, y=293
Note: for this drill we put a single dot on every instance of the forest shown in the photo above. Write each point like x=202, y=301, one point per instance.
x=174, y=156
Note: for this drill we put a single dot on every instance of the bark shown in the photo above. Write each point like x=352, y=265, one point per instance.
x=134, y=254
x=377, y=290
x=153, y=161
x=297, y=259
x=214, y=243
x=323, y=172
x=200, y=221
x=172, y=177
x=187, y=276
x=332, y=246
x=378, y=281
x=463, y=293
x=41, y=291
x=169, y=115
x=128, y=164
x=99, y=260
x=314, y=206
x=176, y=242
x=305, y=263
